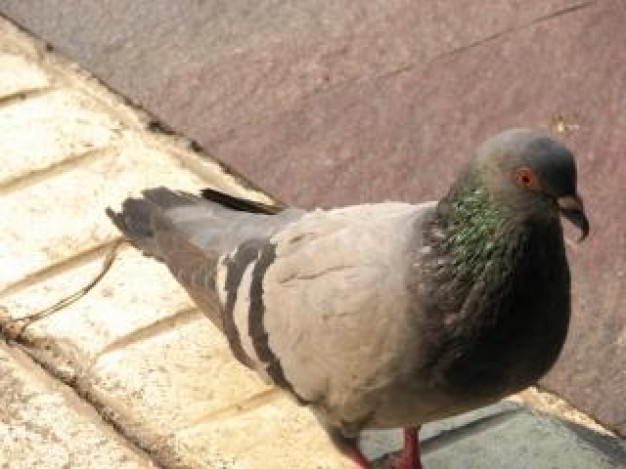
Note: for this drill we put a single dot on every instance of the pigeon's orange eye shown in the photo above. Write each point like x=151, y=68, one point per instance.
x=526, y=178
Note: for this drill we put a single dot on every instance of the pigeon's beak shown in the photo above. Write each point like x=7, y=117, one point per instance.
x=571, y=207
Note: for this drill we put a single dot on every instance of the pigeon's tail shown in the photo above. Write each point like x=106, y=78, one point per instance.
x=190, y=234
x=139, y=219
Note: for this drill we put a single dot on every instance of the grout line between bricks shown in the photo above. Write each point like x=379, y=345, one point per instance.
x=75, y=161
x=243, y=406
x=62, y=266
x=184, y=316
x=19, y=97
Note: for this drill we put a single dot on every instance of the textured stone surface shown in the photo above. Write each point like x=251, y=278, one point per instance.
x=342, y=102
x=316, y=90
x=43, y=424
x=18, y=75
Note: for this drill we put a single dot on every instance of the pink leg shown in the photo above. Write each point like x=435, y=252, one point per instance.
x=410, y=457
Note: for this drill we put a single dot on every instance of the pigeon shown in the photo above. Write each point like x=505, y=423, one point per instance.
x=384, y=315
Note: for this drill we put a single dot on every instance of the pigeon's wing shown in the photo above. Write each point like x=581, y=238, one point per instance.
x=316, y=302
x=190, y=234
x=319, y=307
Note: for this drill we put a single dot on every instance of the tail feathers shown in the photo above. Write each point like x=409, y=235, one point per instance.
x=239, y=204
x=139, y=217
x=134, y=221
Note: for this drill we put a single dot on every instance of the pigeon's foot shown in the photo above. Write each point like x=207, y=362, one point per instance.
x=410, y=456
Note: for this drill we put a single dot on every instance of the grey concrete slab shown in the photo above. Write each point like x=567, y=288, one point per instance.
x=523, y=440
x=507, y=435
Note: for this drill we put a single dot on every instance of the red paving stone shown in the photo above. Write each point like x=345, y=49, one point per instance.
x=330, y=103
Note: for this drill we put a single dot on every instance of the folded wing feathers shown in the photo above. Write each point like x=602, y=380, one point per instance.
x=281, y=281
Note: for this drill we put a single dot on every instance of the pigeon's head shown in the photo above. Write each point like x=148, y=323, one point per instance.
x=529, y=171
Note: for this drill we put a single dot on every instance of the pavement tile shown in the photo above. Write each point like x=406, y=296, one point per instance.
x=506, y=435
x=40, y=229
x=43, y=424
x=277, y=435
x=45, y=130
x=522, y=441
x=13, y=42
x=380, y=442
x=188, y=368
x=19, y=75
